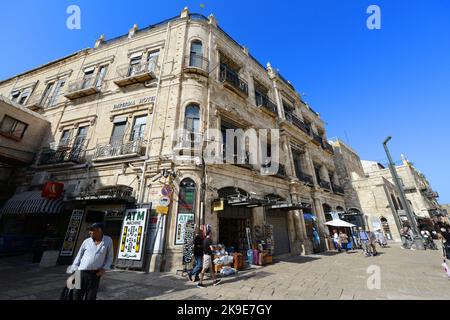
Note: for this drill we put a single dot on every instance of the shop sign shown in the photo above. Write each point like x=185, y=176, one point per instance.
x=155, y=233
x=218, y=205
x=164, y=201
x=132, y=236
x=72, y=233
x=133, y=103
x=113, y=215
x=52, y=190
x=182, y=220
x=162, y=210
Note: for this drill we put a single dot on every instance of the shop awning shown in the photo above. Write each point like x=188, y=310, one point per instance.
x=31, y=202
x=340, y=223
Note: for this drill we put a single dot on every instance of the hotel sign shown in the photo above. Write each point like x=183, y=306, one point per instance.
x=134, y=103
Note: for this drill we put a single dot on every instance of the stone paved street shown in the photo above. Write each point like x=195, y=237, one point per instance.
x=405, y=274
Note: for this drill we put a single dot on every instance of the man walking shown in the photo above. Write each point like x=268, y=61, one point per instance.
x=198, y=256
x=364, y=239
x=208, y=262
x=94, y=258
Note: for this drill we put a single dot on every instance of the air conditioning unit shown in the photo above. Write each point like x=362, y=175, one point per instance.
x=39, y=178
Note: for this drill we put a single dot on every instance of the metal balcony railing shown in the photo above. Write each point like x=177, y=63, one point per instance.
x=338, y=189
x=307, y=178
x=82, y=87
x=73, y=151
x=136, y=73
x=120, y=148
x=188, y=140
x=325, y=185
x=291, y=117
x=328, y=147
x=318, y=139
x=195, y=62
x=263, y=101
x=230, y=77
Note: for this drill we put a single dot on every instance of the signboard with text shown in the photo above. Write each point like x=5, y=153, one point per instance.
x=131, y=244
x=73, y=230
x=183, y=219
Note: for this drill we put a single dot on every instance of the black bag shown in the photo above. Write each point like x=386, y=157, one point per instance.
x=66, y=294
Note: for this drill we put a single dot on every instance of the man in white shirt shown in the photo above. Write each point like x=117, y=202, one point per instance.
x=94, y=258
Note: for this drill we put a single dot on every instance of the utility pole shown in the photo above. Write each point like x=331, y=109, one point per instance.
x=416, y=236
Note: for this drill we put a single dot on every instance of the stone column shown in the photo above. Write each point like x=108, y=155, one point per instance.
x=296, y=245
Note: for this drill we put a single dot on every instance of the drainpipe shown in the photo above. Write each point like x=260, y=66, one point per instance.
x=152, y=120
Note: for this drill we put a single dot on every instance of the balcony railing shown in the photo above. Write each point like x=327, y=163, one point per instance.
x=291, y=117
x=265, y=169
x=263, y=101
x=305, y=178
x=188, y=140
x=325, y=185
x=136, y=73
x=82, y=87
x=196, y=63
x=38, y=102
x=119, y=148
x=338, y=189
x=69, y=152
x=234, y=82
x=316, y=138
x=328, y=147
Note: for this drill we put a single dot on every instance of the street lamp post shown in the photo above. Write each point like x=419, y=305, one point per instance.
x=416, y=236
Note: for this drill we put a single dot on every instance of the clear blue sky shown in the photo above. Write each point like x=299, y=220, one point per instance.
x=366, y=84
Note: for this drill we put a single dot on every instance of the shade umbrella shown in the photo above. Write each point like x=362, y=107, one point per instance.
x=340, y=223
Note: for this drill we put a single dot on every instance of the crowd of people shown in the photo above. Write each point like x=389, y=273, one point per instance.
x=362, y=239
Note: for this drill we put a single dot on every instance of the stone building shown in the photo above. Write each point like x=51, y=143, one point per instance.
x=133, y=114
x=372, y=200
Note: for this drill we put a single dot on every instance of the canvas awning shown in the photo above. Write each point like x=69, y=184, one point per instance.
x=31, y=202
x=339, y=223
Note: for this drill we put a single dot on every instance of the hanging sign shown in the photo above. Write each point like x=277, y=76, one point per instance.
x=72, y=233
x=182, y=220
x=218, y=205
x=132, y=238
x=52, y=190
x=162, y=210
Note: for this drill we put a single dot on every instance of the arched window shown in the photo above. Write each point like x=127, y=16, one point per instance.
x=186, y=209
x=196, y=55
x=192, y=119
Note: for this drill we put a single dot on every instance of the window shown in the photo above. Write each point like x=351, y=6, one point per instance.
x=15, y=95
x=317, y=172
x=135, y=65
x=196, y=56
x=21, y=96
x=152, y=59
x=54, y=98
x=101, y=76
x=65, y=138
x=47, y=92
x=88, y=76
x=297, y=163
x=13, y=127
x=138, y=130
x=192, y=119
x=118, y=131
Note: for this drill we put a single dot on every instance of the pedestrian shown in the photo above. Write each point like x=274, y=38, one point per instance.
x=372, y=242
x=445, y=236
x=198, y=257
x=364, y=239
x=343, y=238
x=336, y=241
x=405, y=234
x=381, y=238
x=93, y=259
x=316, y=240
x=208, y=261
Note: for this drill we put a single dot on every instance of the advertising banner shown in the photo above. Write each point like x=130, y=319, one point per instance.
x=183, y=219
x=73, y=230
x=132, y=236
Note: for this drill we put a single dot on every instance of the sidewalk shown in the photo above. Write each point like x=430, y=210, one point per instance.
x=405, y=274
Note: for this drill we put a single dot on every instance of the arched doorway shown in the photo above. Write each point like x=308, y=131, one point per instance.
x=386, y=228
x=340, y=209
x=355, y=217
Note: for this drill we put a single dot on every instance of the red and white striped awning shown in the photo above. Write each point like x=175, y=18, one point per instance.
x=31, y=202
